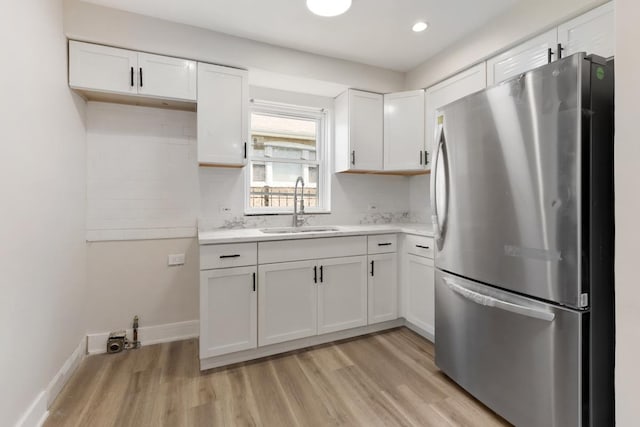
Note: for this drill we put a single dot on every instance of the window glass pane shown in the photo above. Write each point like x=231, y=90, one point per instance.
x=277, y=189
x=259, y=174
x=283, y=137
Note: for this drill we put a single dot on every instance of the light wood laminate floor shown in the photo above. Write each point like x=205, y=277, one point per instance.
x=384, y=379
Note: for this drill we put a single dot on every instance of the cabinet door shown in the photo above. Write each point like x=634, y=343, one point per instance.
x=593, y=32
x=420, y=295
x=102, y=68
x=342, y=294
x=404, y=130
x=452, y=89
x=223, y=96
x=365, y=130
x=287, y=302
x=166, y=77
x=524, y=57
x=383, y=288
x=228, y=311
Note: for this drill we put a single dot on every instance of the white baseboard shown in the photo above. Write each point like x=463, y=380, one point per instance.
x=38, y=411
x=66, y=371
x=97, y=343
x=429, y=334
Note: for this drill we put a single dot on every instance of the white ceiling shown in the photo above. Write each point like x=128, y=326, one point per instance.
x=375, y=32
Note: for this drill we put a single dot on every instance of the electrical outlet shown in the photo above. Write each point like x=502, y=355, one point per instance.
x=176, y=259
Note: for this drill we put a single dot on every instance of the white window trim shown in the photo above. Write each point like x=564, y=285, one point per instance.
x=322, y=155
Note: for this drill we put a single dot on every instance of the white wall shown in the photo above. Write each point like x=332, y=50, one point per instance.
x=133, y=278
x=142, y=172
x=521, y=22
x=42, y=182
x=282, y=67
x=627, y=153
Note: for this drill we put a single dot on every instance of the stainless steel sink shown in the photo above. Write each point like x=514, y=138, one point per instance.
x=295, y=230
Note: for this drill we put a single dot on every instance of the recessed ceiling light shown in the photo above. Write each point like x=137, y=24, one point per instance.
x=328, y=7
x=419, y=26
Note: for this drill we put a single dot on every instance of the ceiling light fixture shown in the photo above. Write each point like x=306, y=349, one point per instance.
x=419, y=26
x=328, y=7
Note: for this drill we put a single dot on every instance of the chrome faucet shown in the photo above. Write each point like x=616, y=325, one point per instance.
x=297, y=222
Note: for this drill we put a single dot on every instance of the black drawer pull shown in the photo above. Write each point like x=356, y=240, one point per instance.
x=315, y=274
x=321, y=275
x=422, y=247
x=229, y=256
x=384, y=244
x=372, y=269
x=254, y=282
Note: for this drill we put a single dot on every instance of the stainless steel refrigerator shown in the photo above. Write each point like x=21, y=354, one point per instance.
x=522, y=195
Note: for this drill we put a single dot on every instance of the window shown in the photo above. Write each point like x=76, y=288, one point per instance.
x=286, y=142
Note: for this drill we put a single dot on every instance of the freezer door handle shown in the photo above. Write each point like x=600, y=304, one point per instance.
x=490, y=301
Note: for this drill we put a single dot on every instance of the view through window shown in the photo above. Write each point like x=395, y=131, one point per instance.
x=285, y=144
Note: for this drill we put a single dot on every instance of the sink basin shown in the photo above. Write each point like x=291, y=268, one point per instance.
x=295, y=230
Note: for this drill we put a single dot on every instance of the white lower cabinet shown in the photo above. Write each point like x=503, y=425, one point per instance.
x=228, y=310
x=287, y=301
x=382, y=288
x=342, y=293
x=420, y=292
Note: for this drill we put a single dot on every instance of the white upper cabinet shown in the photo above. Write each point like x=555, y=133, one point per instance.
x=404, y=142
x=452, y=89
x=106, y=69
x=533, y=53
x=166, y=77
x=358, y=131
x=592, y=33
x=223, y=128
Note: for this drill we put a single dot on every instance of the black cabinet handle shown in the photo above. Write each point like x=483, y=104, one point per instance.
x=549, y=53
x=384, y=244
x=422, y=247
x=559, y=50
x=245, y=150
x=371, y=268
x=353, y=157
x=132, y=83
x=420, y=157
x=426, y=157
x=315, y=274
x=321, y=275
x=254, y=282
x=140, y=76
x=230, y=256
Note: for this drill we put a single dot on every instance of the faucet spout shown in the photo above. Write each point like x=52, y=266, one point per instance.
x=296, y=222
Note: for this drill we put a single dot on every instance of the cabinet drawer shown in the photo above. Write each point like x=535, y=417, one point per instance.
x=419, y=245
x=382, y=243
x=228, y=255
x=304, y=249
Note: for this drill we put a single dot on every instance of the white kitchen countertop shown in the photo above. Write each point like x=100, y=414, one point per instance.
x=255, y=235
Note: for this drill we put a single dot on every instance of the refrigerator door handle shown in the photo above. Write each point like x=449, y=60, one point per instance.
x=490, y=301
x=439, y=186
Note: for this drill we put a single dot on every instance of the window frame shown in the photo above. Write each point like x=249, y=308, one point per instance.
x=321, y=116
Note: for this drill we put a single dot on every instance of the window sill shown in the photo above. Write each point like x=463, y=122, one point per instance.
x=286, y=212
